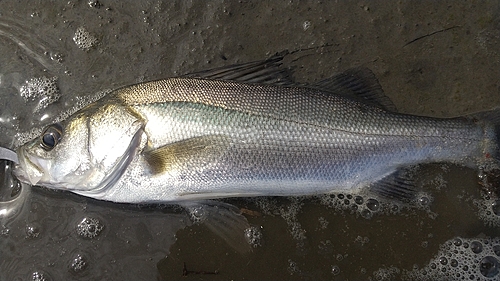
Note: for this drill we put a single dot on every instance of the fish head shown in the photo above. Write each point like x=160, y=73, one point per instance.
x=88, y=151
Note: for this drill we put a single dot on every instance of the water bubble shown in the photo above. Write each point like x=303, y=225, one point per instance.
x=476, y=247
x=57, y=57
x=335, y=270
x=253, y=235
x=5, y=231
x=454, y=263
x=198, y=214
x=358, y=200
x=372, y=204
x=78, y=264
x=293, y=267
x=323, y=222
x=424, y=201
x=443, y=260
x=94, y=4
x=89, y=227
x=496, y=250
x=306, y=24
x=366, y=214
x=457, y=242
x=32, y=231
x=340, y=196
x=495, y=207
x=489, y=266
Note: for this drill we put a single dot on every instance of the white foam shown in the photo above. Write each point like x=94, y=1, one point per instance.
x=463, y=259
x=83, y=39
x=44, y=90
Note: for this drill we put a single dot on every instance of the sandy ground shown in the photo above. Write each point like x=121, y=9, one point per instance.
x=432, y=58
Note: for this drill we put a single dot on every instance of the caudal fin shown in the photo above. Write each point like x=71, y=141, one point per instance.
x=489, y=166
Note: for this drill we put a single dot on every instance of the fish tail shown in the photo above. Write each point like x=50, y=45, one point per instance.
x=489, y=164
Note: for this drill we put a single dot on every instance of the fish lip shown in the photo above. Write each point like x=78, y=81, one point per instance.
x=21, y=169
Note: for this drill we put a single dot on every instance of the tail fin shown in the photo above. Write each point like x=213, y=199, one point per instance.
x=489, y=167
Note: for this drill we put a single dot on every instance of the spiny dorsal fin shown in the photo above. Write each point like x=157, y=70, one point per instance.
x=263, y=72
x=203, y=149
x=359, y=84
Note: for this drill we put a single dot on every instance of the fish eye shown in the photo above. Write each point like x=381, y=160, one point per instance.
x=51, y=137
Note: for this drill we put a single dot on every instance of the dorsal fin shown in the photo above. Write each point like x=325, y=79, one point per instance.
x=359, y=84
x=263, y=72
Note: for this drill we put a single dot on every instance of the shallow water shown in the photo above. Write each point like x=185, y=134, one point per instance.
x=435, y=59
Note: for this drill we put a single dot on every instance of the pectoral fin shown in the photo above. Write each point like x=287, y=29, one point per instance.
x=223, y=219
x=194, y=152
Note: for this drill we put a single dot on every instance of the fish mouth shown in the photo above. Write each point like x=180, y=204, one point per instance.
x=28, y=169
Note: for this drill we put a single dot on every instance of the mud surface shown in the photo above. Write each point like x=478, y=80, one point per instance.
x=432, y=58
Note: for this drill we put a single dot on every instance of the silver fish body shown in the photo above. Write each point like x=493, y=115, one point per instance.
x=187, y=139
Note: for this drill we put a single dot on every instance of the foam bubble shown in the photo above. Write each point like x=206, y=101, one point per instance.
x=198, y=214
x=323, y=222
x=78, y=263
x=386, y=273
x=489, y=210
x=43, y=89
x=39, y=276
x=32, y=231
x=463, y=258
x=89, y=227
x=83, y=39
x=254, y=236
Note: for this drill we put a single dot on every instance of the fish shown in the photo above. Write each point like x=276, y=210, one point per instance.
x=248, y=130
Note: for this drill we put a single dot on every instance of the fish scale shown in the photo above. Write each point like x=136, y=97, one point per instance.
x=278, y=156
x=193, y=138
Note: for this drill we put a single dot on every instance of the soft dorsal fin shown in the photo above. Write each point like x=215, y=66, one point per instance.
x=359, y=84
x=263, y=72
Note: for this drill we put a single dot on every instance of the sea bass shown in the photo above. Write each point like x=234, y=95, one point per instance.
x=241, y=132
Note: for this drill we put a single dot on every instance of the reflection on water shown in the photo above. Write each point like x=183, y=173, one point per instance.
x=73, y=51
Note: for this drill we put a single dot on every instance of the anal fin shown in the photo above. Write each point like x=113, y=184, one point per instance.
x=400, y=186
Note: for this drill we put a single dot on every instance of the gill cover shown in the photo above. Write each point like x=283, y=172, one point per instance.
x=86, y=152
